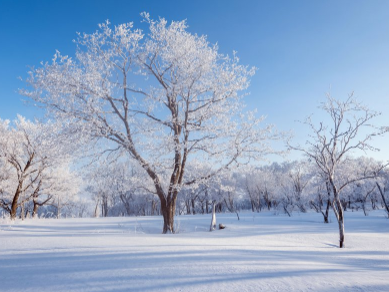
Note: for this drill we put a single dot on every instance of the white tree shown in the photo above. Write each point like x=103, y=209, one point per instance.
x=349, y=130
x=292, y=179
x=27, y=150
x=60, y=187
x=231, y=190
x=262, y=187
x=5, y=176
x=119, y=187
x=162, y=98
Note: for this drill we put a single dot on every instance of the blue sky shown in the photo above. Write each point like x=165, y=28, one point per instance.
x=302, y=49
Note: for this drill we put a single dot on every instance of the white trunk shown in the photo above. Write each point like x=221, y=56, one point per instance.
x=213, y=222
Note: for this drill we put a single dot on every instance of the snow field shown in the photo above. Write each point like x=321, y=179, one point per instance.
x=260, y=252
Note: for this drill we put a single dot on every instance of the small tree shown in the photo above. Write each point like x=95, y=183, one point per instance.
x=328, y=146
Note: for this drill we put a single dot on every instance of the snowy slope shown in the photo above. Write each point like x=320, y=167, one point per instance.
x=260, y=252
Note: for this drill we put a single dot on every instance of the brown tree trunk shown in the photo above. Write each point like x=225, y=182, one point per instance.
x=382, y=192
x=252, y=205
x=35, y=209
x=14, y=205
x=168, y=211
x=126, y=203
x=341, y=228
x=193, y=206
x=339, y=213
x=337, y=206
x=325, y=215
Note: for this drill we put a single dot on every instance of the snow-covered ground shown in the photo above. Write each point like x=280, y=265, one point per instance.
x=260, y=252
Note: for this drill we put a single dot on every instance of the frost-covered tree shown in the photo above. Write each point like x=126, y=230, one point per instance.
x=59, y=189
x=260, y=185
x=27, y=151
x=163, y=97
x=5, y=175
x=119, y=188
x=231, y=191
x=292, y=179
x=349, y=129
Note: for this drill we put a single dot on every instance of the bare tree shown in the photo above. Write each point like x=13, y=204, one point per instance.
x=329, y=145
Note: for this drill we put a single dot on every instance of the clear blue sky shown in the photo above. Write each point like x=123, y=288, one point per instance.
x=302, y=49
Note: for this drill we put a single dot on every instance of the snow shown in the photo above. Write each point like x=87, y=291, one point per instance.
x=260, y=252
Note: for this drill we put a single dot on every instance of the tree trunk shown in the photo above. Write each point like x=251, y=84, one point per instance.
x=341, y=228
x=382, y=192
x=58, y=209
x=14, y=205
x=168, y=212
x=193, y=206
x=373, y=203
x=104, y=206
x=153, y=207
x=364, y=207
x=22, y=206
x=26, y=214
x=126, y=203
x=97, y=209
x=252, y=205
x=325, y=215
x=213, y=221
x=35, y=210
x=187, y=207
x=286, y=210
x=338, y=210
